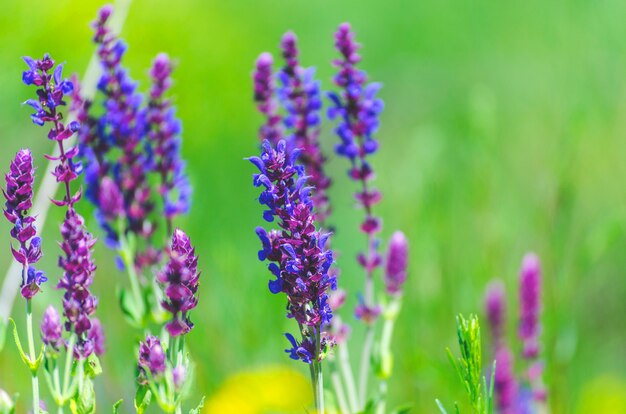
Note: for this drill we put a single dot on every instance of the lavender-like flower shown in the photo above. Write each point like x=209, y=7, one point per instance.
x=505, y=384
x=357, y=109
x=396, y=263
x=297, y=253
x=96, y=336
x=495, y=307
x=19, y=199
x=530, y=289
x=300, y=94
x=151, y=358
x=78, y=302
x=180, y=280
x=164, y=134
x=264, y=98
x=51, y=329
x=52, y=89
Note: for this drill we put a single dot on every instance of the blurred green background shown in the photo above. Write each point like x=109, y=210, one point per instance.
x=504, y=132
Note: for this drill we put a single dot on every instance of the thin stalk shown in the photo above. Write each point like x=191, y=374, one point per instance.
x=382, y=405
x=57, y=388
x=335, y=377
x=348, y=376
x=365, y=365
x=33, y=355
x=69, y=358
x=318, y=385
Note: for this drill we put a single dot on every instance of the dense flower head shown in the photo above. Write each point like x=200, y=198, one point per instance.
x=300, y=95
x=396, y=263
x=52, y=89
x=78, y=271
x=164, y=134
x=530, y=306
x=505, y=385
x=299, y=259
x=495, y=307
x=264, y=98
x=51, y=328
x=180, y=280
x=151, y=358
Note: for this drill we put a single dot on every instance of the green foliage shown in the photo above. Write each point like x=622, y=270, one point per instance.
x=198, y=409
x=116, y=406
x=468, y=367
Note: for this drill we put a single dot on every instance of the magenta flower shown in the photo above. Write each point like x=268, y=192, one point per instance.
x=151, y=358
x=396, y=263
x=264, y=98
x=96, y=336
x=530, y=290
x=51, y=329
x=495, y=307
x=505, y=384
x=180, y=280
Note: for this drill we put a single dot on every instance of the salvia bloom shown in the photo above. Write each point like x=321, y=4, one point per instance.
x=299, y=259
x=78, y=268
x=300, y=95
x=180, y=280
x=530, y=287
x=396, y=263
x=52, y=89
x=123, y=127
x=51, y=329
x=151, y=358
x=495, y=306
x=19, y=199
x=264, y=98
x=164, y=134
x=505, y=384
x=96, y=336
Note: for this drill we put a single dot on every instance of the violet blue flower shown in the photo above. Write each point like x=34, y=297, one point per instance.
x=299, y=259
x=151, y=358
x=300, y=95
x=78, y=266
x=51, y=329
x=396, y=263
x=164, y=134
x=264, y=98
x=180, y=280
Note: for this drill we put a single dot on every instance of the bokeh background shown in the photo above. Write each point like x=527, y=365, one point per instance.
x=504, y=132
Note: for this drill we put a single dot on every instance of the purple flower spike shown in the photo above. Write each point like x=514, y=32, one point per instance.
x=264, y=98
x=396, y=264
x=78, y=302
x=164, y=134
x=505, y=385
x=300, y=95
x=530, y=290
x=96, y=336
x=180, y=280
x=110, y=200
x=298, y=256
x=52, y=89
x=19, y=196
x=51, y=329
x=151, y=358
x=495, y=306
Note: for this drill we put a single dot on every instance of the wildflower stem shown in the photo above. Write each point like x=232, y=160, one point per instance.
x=31, y=350
x=335, y=377
x=366, y=356
x=348, y=376
x=69, y=357
x=318, y=386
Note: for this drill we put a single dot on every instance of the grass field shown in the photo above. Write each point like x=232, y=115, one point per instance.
x=504, y=132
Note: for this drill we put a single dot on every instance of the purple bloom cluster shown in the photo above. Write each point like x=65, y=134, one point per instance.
x=151, y=358
x=264, y=98
x=495, y=306
x=180, y=280
x=300, y=95
x=52, y=90
x=78, y=268
x=19, y=199
x=299, y=259
x=396, y=263
x=96, y=336
x=164, y=134
x=505, y=384
x=357, y=108
x=51, y=329
x=530, y=286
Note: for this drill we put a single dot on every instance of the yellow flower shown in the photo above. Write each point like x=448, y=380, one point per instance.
x=268, y=390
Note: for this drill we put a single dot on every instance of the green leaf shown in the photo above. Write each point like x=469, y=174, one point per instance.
x=441, y=407
x=16, y=338
x=143, y=397
x=128, y=306
x=84, y=401
x=403, y=409
x=3, y=333
x=92, y=366
x=198, y=409
x=370, y=407
x=116, y=406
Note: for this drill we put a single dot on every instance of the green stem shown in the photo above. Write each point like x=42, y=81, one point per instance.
x=348, y=376
x=69, y=357
x=33, y=355
x=339, y=391
x=319, y=388
x=128, y=254
x=366, y=357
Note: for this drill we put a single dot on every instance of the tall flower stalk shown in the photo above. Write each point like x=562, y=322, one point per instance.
x=299, y=260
